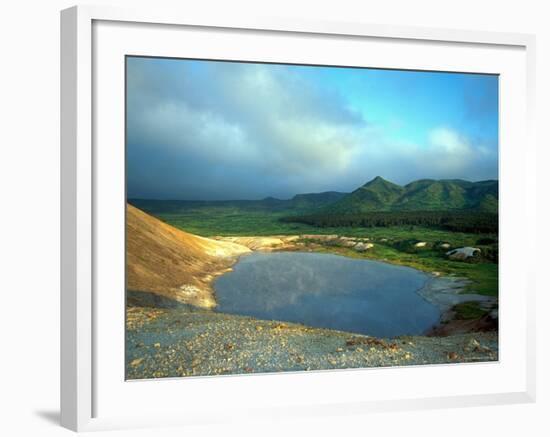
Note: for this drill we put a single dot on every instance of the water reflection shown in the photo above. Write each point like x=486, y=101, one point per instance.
x=328, y=291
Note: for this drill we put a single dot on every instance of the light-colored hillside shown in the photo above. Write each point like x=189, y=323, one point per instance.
x=172, y=263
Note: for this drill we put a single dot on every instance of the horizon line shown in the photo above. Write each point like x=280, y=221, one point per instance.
x=311, y=192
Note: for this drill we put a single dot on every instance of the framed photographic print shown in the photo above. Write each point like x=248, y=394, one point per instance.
x=256, y=208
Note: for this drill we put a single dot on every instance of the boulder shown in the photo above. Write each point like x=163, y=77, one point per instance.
x=362, y=247
x=463, y=253
x=347, y=242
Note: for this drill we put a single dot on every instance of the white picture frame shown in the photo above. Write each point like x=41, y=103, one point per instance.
x=87, y=402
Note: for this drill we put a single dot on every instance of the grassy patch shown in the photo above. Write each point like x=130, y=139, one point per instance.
x=227, y=221
x=469, y=311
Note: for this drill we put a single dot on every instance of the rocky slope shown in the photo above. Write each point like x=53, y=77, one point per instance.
x=169, y=262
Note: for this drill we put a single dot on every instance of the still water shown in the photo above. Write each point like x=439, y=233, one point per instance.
x=328, y=291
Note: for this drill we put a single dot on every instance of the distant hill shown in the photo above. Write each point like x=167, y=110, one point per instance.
x=308, y=202
x=316, y=200
x=422, y=195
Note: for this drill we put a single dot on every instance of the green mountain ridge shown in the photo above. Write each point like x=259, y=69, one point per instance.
x=377, y=195
x=421, y=195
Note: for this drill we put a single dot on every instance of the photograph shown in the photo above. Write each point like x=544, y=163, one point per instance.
x=275, y=219
x=295, y=218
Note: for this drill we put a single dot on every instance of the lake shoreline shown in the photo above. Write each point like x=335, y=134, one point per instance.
x=446, y=292
x=170, y=339
x=443, y=291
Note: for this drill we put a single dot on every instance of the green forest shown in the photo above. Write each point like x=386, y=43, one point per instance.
x=475, y=222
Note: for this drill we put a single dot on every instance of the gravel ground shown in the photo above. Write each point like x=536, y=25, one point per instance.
x=182, y=341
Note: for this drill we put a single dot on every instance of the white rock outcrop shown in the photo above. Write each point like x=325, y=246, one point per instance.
x=463, y=253
x=362, y=247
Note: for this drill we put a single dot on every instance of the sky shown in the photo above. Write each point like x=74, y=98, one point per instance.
x=212, y=130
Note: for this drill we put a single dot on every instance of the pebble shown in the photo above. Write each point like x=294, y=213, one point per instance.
x=136, y=362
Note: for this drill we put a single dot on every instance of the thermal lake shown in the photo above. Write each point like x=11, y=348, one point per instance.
x=328, y=291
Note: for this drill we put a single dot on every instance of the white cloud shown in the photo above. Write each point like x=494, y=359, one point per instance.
x=447, y=141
